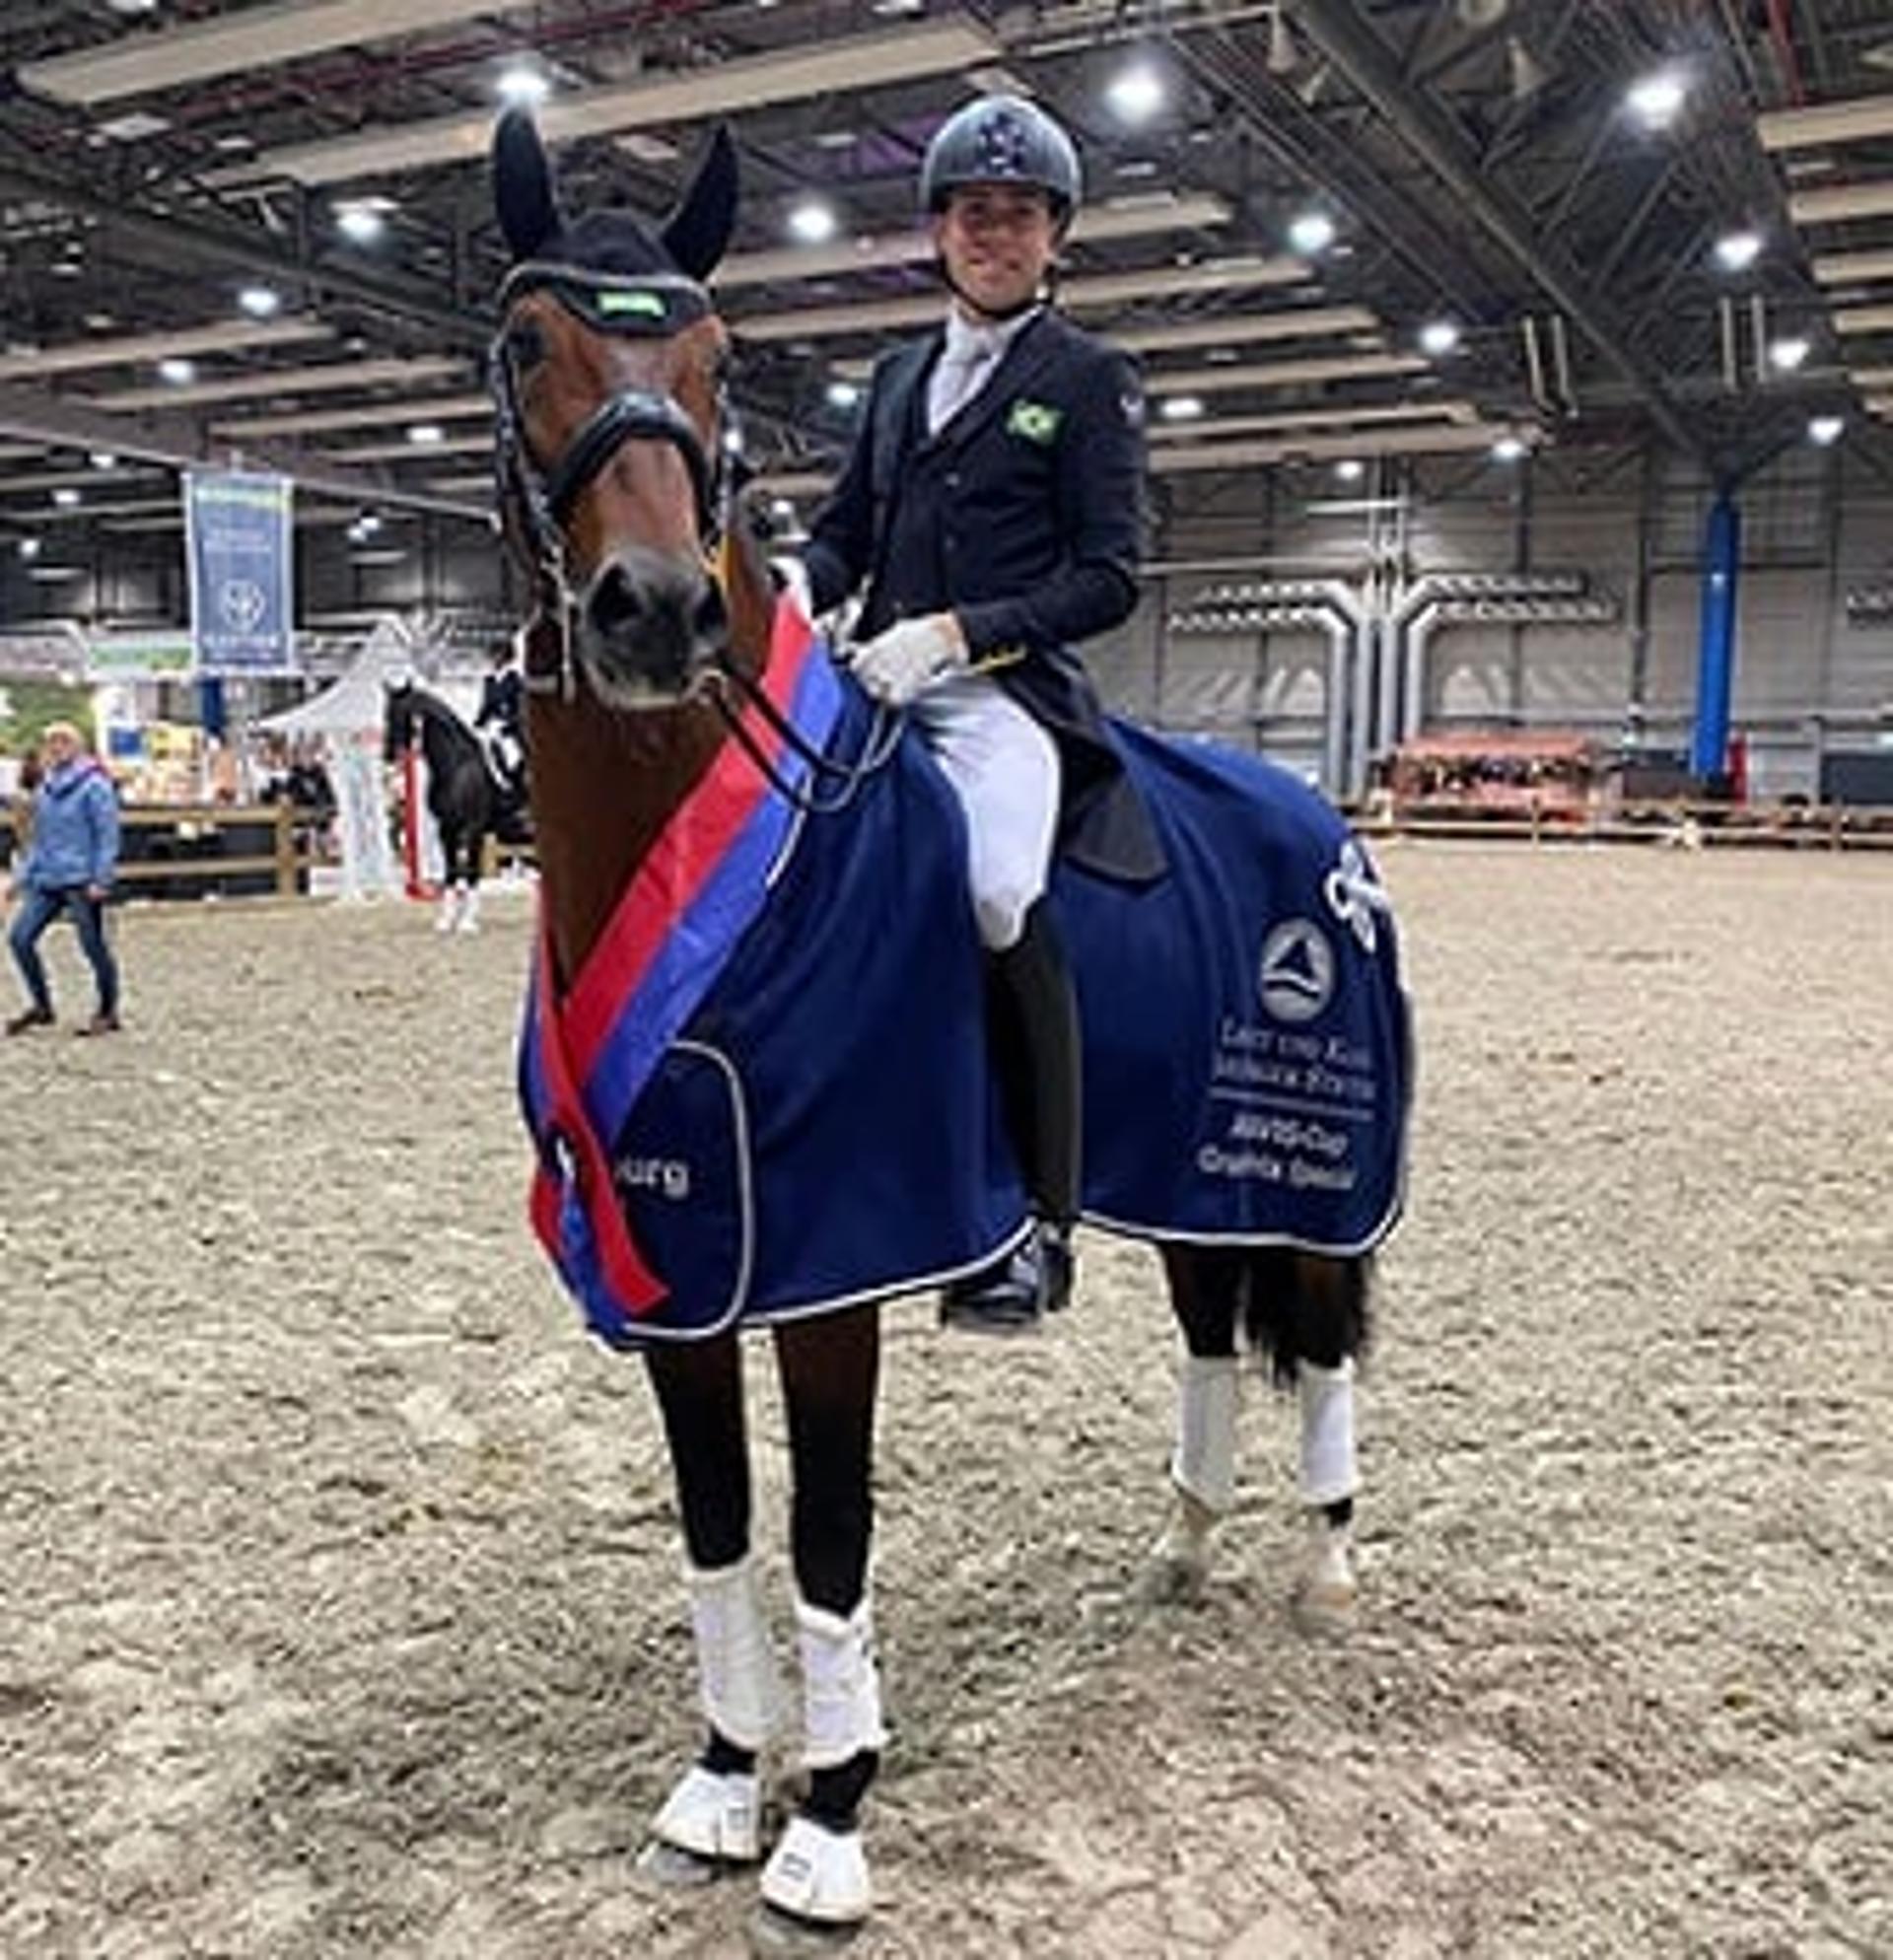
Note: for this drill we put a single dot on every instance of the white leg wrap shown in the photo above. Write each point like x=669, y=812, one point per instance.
x=469, y=919
x=714, y=1816
x=818, y=1874
x=742, y=1691
x=840, y=1685
x=1327, y=1433
x=1204, y=1464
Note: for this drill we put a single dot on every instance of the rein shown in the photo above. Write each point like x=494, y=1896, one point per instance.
x=654, y=306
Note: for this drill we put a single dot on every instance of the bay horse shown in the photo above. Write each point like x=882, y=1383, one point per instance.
x=753, y=1058
x=465, y=800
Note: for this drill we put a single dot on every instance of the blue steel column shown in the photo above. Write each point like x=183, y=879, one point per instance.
x=1715, y=655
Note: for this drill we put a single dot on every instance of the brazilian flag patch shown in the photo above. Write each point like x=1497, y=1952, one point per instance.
x=1035, y=421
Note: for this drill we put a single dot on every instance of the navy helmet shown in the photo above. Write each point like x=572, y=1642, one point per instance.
x=1002, y=139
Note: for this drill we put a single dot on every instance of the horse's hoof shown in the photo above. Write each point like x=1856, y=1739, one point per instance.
x=675, y=1869
x=1325, y=1597
x=712, y=1816
x=1172, y=1579
x=816, y=1883
x=778, y=1935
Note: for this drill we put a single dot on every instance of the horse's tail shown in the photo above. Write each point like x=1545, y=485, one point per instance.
x=1306, y=1306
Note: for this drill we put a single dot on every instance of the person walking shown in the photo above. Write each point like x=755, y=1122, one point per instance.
x=68, y=867
x=992, y=505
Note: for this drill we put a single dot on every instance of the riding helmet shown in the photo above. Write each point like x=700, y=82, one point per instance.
x=1002, y=139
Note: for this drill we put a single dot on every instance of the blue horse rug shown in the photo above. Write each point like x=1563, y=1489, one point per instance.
x=767, y=1091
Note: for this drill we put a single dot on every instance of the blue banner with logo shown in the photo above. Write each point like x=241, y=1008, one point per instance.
x=240, y=542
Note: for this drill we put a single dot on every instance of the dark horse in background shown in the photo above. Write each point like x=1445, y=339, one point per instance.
x=466, y=796
x=663, y=686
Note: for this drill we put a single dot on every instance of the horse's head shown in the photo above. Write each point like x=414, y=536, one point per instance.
x=398, y=720
x=609, y=374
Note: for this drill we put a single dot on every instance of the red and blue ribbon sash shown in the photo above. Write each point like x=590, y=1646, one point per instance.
x=585, y=1056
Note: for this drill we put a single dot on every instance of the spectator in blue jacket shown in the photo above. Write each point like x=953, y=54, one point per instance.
x=68, y=867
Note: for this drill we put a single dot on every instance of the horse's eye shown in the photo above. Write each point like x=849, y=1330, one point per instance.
x=524, y=345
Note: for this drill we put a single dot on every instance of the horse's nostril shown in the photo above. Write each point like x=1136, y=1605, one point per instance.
x=711, y=618
x=615, y=602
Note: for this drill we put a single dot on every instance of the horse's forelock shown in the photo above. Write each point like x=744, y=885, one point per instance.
x=617, y=242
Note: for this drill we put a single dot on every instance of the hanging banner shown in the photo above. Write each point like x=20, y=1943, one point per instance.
x=239, y=543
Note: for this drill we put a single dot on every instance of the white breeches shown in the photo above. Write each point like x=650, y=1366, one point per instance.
x=1003, y=768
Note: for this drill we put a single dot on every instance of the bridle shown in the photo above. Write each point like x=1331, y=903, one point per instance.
x=655, y=306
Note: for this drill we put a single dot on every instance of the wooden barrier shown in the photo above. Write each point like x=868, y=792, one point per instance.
x=196, y=834
x=1691, y=825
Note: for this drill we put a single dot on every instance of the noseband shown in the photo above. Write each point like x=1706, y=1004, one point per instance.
x=654, y=307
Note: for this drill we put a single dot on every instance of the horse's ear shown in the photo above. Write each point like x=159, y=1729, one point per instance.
x=699, y=229
x=523, y=192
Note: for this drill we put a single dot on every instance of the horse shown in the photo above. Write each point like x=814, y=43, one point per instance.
x=746, y=1053
x=466, y=797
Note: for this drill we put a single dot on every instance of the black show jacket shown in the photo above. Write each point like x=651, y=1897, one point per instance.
x=1022, y=516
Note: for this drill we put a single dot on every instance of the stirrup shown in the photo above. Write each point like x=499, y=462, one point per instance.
x=818, y=1874
x=1013, y=1294
x=715, y=1815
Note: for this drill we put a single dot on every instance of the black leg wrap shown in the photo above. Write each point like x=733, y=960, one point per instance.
x=834, y=1796
x=724, y=1758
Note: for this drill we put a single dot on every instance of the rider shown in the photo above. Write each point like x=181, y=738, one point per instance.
x=498, y=722
x=992, y=504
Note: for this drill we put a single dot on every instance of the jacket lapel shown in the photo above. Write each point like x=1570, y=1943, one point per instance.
x=1028, y=356
x=895, y=404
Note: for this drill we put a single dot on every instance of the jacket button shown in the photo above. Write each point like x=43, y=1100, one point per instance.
x=952, y=480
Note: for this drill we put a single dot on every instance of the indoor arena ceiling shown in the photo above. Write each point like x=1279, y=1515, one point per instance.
x=264, y=229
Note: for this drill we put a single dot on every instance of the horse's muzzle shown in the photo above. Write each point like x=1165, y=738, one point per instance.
x=649, y=626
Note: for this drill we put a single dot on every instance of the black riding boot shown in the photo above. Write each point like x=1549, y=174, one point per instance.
x=1032, y=1010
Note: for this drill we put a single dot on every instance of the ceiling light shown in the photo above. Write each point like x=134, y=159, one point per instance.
x=176, y=369
x=781, y=509
x=1350, y=470
x=1136, y=94
x=65, y=497
x=1508, y=448
x=1313, y=232
x=29, y=548
x=102, y=459
x=425, y=433
x=259, y=301
x=842, y=394
x=361, y=224
x=522, y=84
x=1825, y=430
x=1437, y=337
x=814, y=222
x=133, y=8
x=1181, y=407
x=1788, y=354
x=134, y=127
x=1657, y=99
x=1736, y=252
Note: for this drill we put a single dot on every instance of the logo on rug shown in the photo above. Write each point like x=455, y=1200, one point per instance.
x=1296, y=980
x=1356, y=894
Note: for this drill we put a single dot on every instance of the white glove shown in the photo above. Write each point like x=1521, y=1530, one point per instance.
x=792, y=575
x=894, y=665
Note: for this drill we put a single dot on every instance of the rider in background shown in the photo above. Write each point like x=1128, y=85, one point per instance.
x=993, y=506
x=499, y=721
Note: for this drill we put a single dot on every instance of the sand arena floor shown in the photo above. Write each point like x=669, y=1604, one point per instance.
x=341, y=1611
